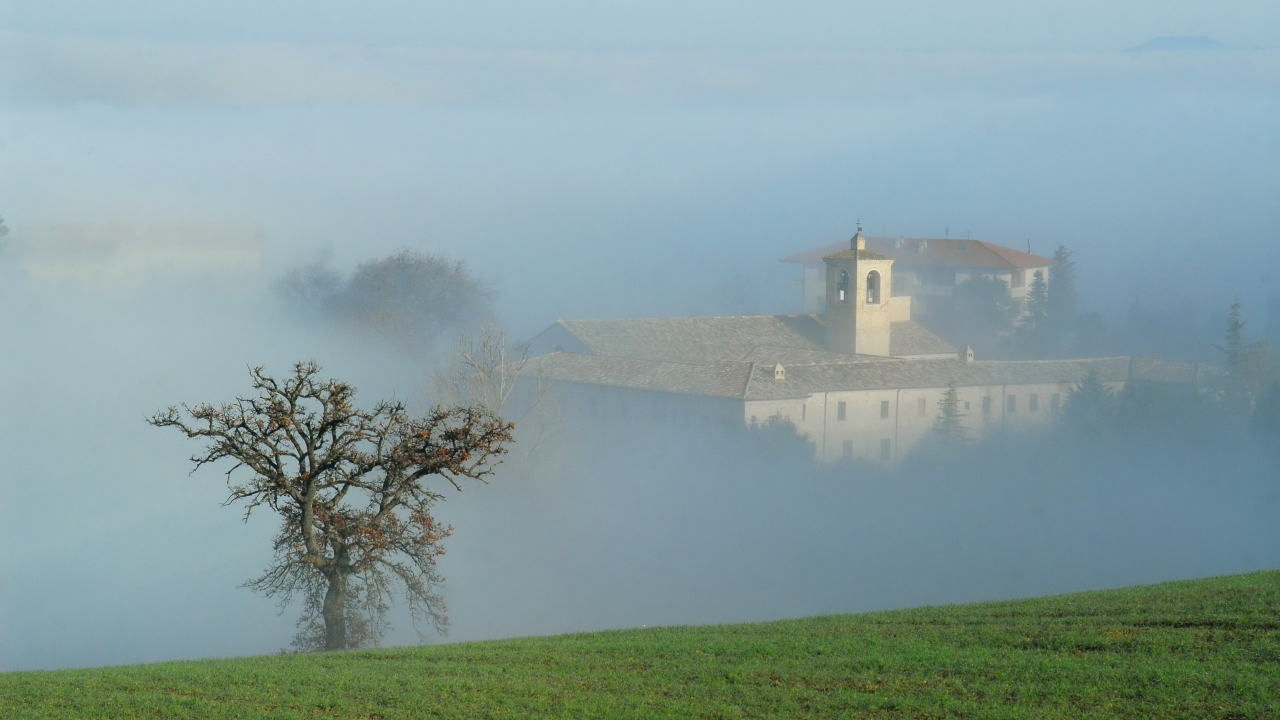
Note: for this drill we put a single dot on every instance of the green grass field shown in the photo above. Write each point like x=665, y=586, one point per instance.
x=1195, y=649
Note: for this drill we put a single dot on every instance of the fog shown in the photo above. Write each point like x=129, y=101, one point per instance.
x=606, y=160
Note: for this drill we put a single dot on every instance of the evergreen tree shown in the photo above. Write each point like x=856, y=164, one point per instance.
x=1060, y=303
x=1090, y=408
x=948, y=425
x=1236, y=349
x=1033, y=330
x=1252, y=366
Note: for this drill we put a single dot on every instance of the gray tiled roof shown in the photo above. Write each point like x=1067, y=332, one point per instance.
x=863, y=254
x=706, y=340
x=726, y=379
x=729, y=379
x=907, y=339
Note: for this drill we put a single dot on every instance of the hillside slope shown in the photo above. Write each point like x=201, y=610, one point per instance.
x=1196, y=649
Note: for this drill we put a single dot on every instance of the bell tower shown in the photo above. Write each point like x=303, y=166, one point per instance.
x=858, y=298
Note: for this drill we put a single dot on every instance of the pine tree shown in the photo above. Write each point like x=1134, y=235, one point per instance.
x=949, y=425
x=1033, y=331
x=1252, y=366
x=1061, y=301
x=1236, y=349
x=1090, y=408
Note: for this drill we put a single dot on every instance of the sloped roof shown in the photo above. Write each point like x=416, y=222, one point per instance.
x=730, y=379
x=695, y=340
x=762, y=338
x=908, y=339
x=863, y=254
x=935, y=252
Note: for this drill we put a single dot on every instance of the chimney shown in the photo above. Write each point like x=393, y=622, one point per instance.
x=779, y=372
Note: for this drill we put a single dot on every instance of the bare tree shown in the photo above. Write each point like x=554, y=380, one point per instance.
x=483, y=371
x=351, y=488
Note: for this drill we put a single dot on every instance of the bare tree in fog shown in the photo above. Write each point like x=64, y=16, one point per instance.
x=350, y=486
x=409, y=298
x=483, y=371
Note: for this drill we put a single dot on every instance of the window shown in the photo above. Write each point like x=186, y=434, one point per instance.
x=1033, y=403
x=884, y=408
x=842, y=287
x=1012, y=402
x=840, y=410
x=986, y=405
x=1055, y=401
x=920, y=405
x=886, y=450
x=873, y=288
x=847, y=450
x=966, y=404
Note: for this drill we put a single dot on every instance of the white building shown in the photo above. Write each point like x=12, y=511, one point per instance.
x=929, y=267
x=860, y=380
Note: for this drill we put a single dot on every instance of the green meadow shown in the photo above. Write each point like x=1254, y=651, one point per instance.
x=1192, y=649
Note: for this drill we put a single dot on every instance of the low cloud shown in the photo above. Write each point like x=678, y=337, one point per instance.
x=62, y=69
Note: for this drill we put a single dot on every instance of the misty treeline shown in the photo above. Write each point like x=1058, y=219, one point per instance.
x=982, y=313
x=408, y=298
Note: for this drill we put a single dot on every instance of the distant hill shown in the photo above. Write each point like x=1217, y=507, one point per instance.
x=1181, y=43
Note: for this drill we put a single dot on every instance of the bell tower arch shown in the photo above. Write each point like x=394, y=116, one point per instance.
x=858, y=298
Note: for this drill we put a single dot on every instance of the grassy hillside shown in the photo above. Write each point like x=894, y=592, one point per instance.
x=1195, y=649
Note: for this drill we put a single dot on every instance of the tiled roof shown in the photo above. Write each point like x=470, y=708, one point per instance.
x=729, y=379
x=907, y=339
x=707, y=340
x=847, y=254
x=934, y=251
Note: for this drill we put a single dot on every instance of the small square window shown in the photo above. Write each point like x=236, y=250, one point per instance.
x=840, y=411
x=884, y=408
x=1033, y=403
x=966, y=404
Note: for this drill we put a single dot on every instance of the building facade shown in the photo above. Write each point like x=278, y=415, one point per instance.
x=926, y=268
x=860, y=381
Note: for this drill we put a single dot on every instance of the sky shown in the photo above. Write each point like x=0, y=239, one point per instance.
x=587, y=159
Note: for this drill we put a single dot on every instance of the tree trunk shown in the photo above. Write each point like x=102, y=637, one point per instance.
x=335, y=613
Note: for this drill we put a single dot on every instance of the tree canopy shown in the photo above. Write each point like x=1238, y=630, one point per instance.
x=409, y=298
x=350, y=487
